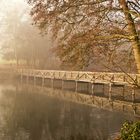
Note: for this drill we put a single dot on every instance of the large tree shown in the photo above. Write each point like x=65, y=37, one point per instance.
x=85, y=27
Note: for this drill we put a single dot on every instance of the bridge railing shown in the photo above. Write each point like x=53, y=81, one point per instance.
x=105, y=77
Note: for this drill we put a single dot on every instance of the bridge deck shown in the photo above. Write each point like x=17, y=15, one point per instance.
x=83, y=76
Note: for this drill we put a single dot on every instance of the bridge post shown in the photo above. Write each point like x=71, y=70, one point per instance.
x=62, y=84
x=21, y=76
x=123, y=92
x=88, y=87
x=92, y=89
x=110, y=91
x=27, y=79
x=52, y=83
x=43, y=81
x=34, y=80
x=111, y=104
x=104, y=89
x=133, y=94
x=124, y=78
x=76, y=86
x=134, y=109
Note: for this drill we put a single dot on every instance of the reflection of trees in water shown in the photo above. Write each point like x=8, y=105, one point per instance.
x=33, y=116
x=87, y=126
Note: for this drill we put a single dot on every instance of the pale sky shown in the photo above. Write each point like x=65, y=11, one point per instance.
x=8, y=8
x=11, y=4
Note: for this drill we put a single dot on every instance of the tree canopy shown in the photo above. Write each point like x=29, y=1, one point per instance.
x=85, y=27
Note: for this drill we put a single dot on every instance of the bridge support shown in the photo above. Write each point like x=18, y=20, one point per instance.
x=110, y=91
x=52, y=83
x=88, y=88
x=27, y=79
x=104, y=89
x=123, y=92
x=133, y=94
x=34, y=80
x=21, y=78
x=76, y=86
x=92, y=89
x=43, y=81
x=62, y=84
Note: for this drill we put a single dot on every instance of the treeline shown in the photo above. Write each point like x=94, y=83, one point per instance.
x=74, y=35
x=23, y=45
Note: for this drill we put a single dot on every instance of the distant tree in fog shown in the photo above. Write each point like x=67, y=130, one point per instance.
x=24, y=44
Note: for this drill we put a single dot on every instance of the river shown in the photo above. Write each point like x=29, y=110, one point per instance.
x=30, y=115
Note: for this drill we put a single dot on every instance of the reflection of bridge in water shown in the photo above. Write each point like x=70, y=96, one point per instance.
x=114, y=91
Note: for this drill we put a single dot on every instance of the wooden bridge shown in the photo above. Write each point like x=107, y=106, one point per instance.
x=92, y=77
x=104, y=79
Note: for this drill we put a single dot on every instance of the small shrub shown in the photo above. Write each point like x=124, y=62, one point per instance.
x=130, y=131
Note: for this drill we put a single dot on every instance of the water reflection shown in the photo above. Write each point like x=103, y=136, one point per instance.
x=26, y=115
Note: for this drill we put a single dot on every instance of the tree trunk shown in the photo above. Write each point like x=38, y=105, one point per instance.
x=133, y=32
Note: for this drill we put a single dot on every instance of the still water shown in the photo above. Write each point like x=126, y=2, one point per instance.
x=28, y=115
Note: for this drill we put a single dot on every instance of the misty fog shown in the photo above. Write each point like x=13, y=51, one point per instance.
x=22, y=44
